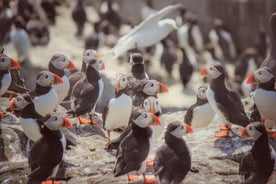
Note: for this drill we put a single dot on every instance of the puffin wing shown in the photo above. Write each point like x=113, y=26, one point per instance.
x=189, y=115
x=162, y=158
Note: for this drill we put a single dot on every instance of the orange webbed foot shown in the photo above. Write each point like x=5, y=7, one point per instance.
x=132, y=178
x=149, y=180
x=222, y=134
x=51, y=182
x=223, y=127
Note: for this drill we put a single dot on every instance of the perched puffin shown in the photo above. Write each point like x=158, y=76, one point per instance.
x=136, y=146
x=270, y=60
x=137, y=66
x=173, y=159
x=141, y=89
x=169, y=55
x=264, y=96
x=47, y=153
x=226, y=103
x=46, y=99
x=200, y=114
x=49, y=7
x=87, y=91
x=186, y=68
x=79, y=16
x=38, y=32
x=6, y=64
x=58, y=63
x=118, y=110
x=257, y=165
x=27, y=115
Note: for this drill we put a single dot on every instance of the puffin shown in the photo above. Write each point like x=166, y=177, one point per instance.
x=257, y=165
x=45, y=97
x=87, y=56
x=6, y=19
x=226, y=103
x=79, y=16
x=27, y=115
x=172, y=161
x=264, y=96
x=49, y=7
x=270, y=60
x=169, y=55
x=57, y=64
x=47, y=152
x=136, y=61
x=87, y=91
x=186, y=67
x=118, y=110
x=200, y=114
x=136, y=146
x=6, y=64
x=38, y=32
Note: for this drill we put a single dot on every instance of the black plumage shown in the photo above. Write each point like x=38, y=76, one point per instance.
x=79, y=16
x=186, y=69
x=169, y=55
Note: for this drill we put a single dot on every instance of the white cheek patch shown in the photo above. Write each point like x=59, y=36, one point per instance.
x=178, y=132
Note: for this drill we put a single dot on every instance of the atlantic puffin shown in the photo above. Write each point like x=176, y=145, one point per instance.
x=47, y=152
x=79, y=16
x=45, y=98
x=134, y=149
x=264, y=96
x=118, y=110
x=186, y=67
x=137, y=63
x=57, y=64
x=6, y=64
x=169, y=55
x=87, y=91
x=173, y=159
x=226, y=103
x=257, y=164
x=200, y=114
x=27, y=115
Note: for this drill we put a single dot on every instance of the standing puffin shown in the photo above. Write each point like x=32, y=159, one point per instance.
x=257, y=165
x=79, y=16
x=87, y=91
x=136, y=146
x=6, y=64
x=137, y=66
x=169, y=55
x=27, y=115
x=173, y=159
x=264, y=96
x=226, y=103
x=46, y=99
x=57, y=64
x=200, y=114
x=46, y=154
x=186, y=67
x=118, y=110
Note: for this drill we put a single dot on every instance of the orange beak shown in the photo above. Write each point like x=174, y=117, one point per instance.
x=13, y=106
x=57, y=80
x=152, y=109
x=103, y=66
x=14, y=64
x=155, y=121
x=244, y=132
x=117, y=87
x=97, y=55
x=162, y=88
x=71, y=66
x=204, y=72
x=190, y=128
x=67, y=123
x=251, y=79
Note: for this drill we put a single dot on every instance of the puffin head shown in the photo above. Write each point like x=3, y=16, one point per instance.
x=152, y=87
x=254, y=130
x=46, y=78
x=121, y=82
x=61, y=62
x=136, y=58
x=259, y=76
x=178, y=129
x=144, y=119
x=201, y=92
x=89, y=54
x=8, y=63
x=152, y=105
x=213, y=71
x=55, y=121
x=21, y=101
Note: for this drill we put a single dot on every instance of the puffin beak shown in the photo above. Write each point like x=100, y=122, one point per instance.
x=251, y=79
x=117, y=87
x=13, y=106
x=97, y=56
x=162, y=88
x=103, y=66
x=57, y=80
x=71, y=66
x=204, y=72
x=152, y=110
x=190, y=128
x=14, y=64
x=271, y=133
x=244, y=132
x=67, y=123
x=155, y=121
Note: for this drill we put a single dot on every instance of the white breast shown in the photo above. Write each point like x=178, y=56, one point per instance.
x=213, y=103
x=62, y=89
x=202, y=116
x=46, y=103
x=5, y=83
x=31, y=128
x=265, y=102
x=119, y=112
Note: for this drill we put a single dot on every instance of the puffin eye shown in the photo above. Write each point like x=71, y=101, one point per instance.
x=156, y=102
x=146, y=116
x=151, y=85
x=55, y=118
x=18, y=98
x=211, y=68
x=260, y=73
x=87, y=54
x=46, y=76
x=124, y=79
x=3, y=59
x=250, y=128
x=63, y=59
